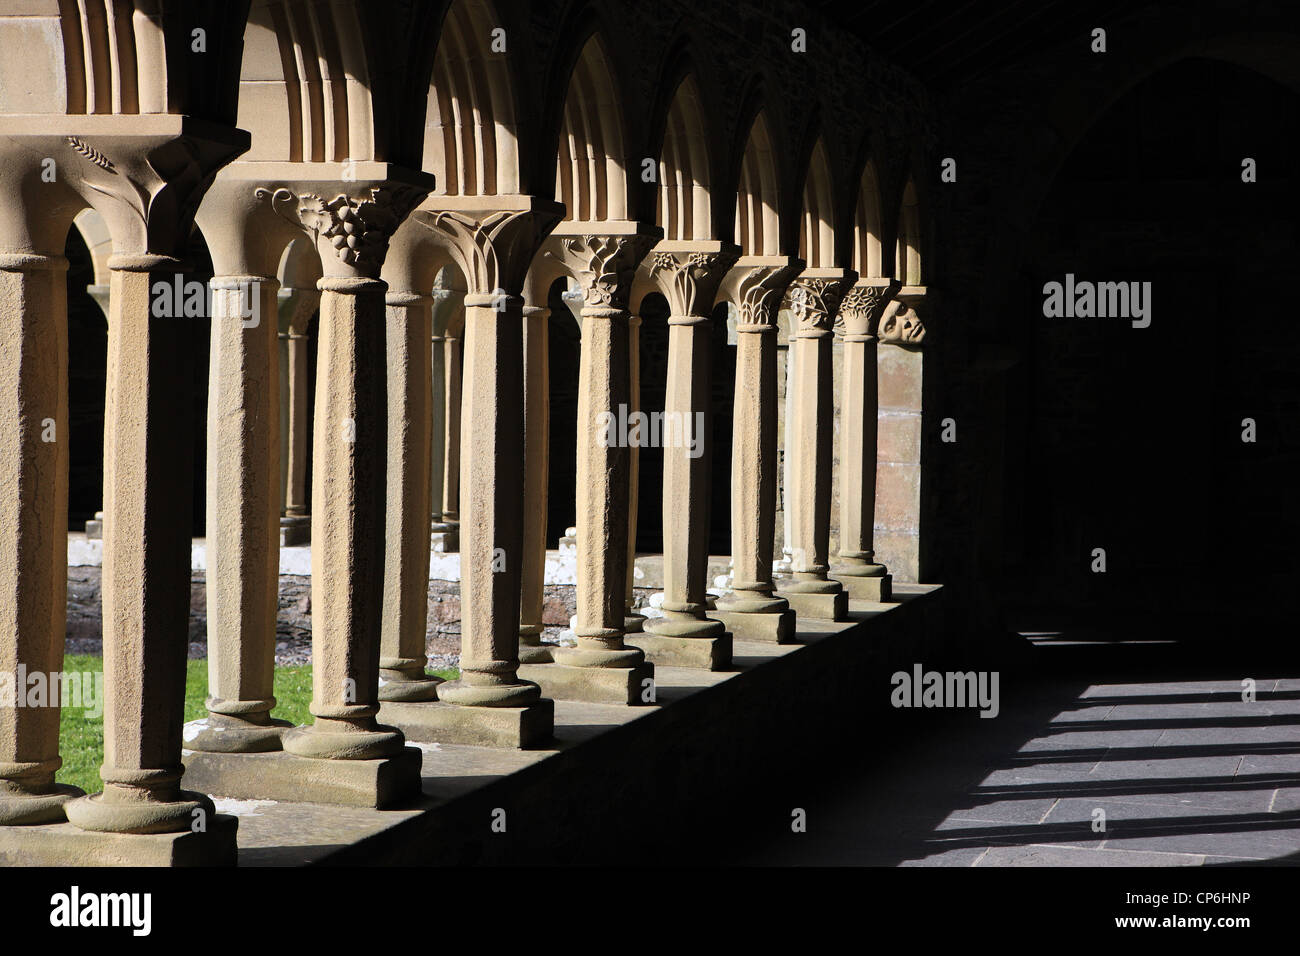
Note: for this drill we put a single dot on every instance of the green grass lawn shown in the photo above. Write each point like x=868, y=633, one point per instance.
x=81, y=738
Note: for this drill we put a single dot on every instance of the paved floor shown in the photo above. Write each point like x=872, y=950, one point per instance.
x=1077, y=770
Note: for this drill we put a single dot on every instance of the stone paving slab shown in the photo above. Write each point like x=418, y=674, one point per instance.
x=1071, y=856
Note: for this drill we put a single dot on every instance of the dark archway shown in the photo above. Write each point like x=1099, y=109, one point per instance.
x=1130, y=438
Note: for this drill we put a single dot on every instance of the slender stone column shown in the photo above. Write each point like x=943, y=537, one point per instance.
x=442, y=534
x=403, y=655
x=296, y=310
x=242, y=515
x=751, y=611
x=601, y=667
x=453, y=366
x=33, y=543
x=148, y=464
x=815, y=299
x=859, y=315
x=348, y=487
x=689, y=274
x=492, y=240
x=633, y=622
x=537, y=446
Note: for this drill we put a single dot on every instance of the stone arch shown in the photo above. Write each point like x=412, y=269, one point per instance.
x=122, y=57
x=305, y=90
x=817, y=225
x=685, y=204
x=867, y=261
x=591, y=173
x=907, y=258
x=758, y=219
x=471, y=141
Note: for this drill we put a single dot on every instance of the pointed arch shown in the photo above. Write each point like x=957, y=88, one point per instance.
x=591, y=173
x=471, y=141
x=817, y=226
x=866, y=226
x=685, y=205
x=758, y=218
x=908, y=255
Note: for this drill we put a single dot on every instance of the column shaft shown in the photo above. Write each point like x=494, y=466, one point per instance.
x=148, y=515
x=632, y=621
x=243, y=548
x=537, y=453
x=602, y=482
x=686, y=475
x=858, y=458
x=33, y=544
x=810, y=444
x=403, y=655
x=491, y=522
x=451, y=445
x=347, y=555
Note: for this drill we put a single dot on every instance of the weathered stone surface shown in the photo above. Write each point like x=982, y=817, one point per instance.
x=287, y=777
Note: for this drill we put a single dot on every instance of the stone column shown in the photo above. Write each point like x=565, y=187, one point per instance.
x=688, y=274
x=601, y=667
x=857, y=571
x=351, y=232
x=633, y=622
x=452, y=368
x=242, y=514
x=815, y=299
x=33, y=540
x=148, y=512
x=537, y=446
x=403, y=654
x=295, y=312
x=493, y=240
x=442, y=536
x=902, y=427
x=751, y=611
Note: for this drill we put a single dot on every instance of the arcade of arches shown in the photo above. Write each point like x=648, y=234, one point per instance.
x=444, y=253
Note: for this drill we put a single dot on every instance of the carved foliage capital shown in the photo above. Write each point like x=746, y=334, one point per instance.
x=690, y=280
x=815, y=301
x=604, y=265
x=759, y=294
x=493, y=250
x=862, y=308
x=356, y=228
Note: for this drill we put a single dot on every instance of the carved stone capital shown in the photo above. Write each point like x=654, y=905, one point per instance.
x=757, y=284
x=350, y=223
x=689, y=273
x=902, y=322
x=146, y=177
x=863, y=305
x=815, y=299
x=605, y=264
x=493, y=239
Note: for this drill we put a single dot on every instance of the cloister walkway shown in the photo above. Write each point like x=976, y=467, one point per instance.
x=1186, y=772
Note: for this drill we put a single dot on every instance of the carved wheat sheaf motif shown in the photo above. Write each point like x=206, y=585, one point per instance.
x=92, y=154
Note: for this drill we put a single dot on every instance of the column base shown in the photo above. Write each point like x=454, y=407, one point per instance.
x=295, y=530
x=62, y=844
x=220, y=733
x=597, y=685
x=95, y=527
x=832, y=606
x=375, y=784
x=535, y=654
x=633, y=623
x=28, y=808
x=711, y=653
x=767, y=628
x=422, y=688
x=878, y=589
x=521, y=728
